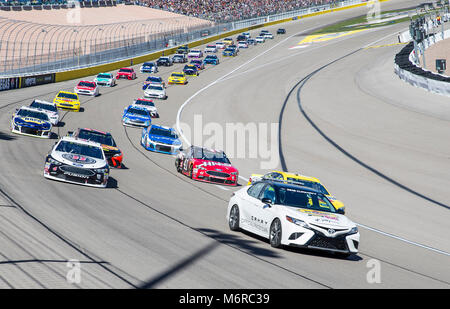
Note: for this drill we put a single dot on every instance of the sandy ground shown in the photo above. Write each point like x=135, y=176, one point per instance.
x=440, y=50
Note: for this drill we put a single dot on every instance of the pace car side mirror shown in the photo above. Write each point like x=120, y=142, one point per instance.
x=267, y=202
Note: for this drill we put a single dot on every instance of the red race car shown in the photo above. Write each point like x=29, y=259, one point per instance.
x=127, y=73
x=207, y=165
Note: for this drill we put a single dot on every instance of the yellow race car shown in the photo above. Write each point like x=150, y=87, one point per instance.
x=301, y=180
x=228, y=41
x=177, y=78
x=67, y=100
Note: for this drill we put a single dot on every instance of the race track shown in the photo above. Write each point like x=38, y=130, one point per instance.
x=378, y=144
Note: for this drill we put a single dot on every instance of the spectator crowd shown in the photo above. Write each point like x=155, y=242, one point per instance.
x=230, y=10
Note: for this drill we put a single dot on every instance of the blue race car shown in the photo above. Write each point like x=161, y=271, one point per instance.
x=136, y=116
x=32, y=122
x=211, y=59
x=161, y=139
x=229, y=52
x=153, y=80
x=149, y=67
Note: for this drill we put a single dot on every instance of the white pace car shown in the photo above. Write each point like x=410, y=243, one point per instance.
x=292, y=215
x=77, y=161
x=49, y=108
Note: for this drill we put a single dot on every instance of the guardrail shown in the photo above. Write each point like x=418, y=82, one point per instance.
x=21, y=57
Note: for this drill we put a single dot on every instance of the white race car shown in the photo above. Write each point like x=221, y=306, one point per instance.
x=49, y=108
x=211, y=49
x=156, y=91
x=291, y=215
x=87, y=87
x=77, y=161
x=148, y=105
x=32, y=122
x=260, y=39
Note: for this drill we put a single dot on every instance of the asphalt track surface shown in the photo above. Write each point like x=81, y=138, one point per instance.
x=379, y=144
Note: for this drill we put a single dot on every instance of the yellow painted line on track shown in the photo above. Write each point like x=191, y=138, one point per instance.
x=385, y=45
x=315, y=38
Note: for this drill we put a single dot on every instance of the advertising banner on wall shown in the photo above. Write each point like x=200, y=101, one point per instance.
x=9, y=83
x=29, y=81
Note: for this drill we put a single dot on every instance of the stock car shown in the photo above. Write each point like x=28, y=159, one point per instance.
x=113, y=154
x=156, y=91
x=31, y=122
x=190, y=70
x=220, y=45
x=251, y=42
x=105, y=79
x=153, y=80
x=260, y=39
x=136, y=116
x=206, y=165
x=229, y=52
x=211, y=49
x=198, y=63
x=281, y=31
x=149, y=67
x=242, y=44
x=179, y=58
x=183, y=50
x=305, y=181
x=147, y=104
x=247, y=35
x=177, y=78
x=77, y=161
x=228, y=41
x=87, y=88
x=127, y=73
x=268, y=35
x=164, y=61
x=291, y=215
x=161, y=139
x=67, y=100
x=241, y=37
x=211, y=59
x=49, y=108
x=195, y=53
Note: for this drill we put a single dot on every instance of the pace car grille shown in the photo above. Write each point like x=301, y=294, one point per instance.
x=337, y=243
x=218, y=174
x=74, y=171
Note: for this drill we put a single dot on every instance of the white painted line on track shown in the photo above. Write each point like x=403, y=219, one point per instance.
x=223, y=188
x=403, y=239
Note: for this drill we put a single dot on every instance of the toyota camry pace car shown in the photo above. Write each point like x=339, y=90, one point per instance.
x=32, y=122
x=49, y=108
x=211, y=59
x=147, y=104
x=112, y=153
x=156, y=91
x=105, y=79
x=153, y=80
x=161, y=139
x=292, y=215
x=190, y=69
x=149, y=67
x=87, y=88
x=179, y=58
x=207, y=165
x=195, y=53
x=67, y=100
x=164, y=61
x=177, y=78
x=77, y=161
x=126, y=73
x=136, y=116
x=301, y=180
x=198, y=63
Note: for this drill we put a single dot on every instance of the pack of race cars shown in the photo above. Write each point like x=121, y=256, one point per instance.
x=288, y=209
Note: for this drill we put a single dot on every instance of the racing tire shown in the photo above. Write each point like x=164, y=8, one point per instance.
x=178, y=165
x=233, y=221
x=275, y=233
x=190, y=172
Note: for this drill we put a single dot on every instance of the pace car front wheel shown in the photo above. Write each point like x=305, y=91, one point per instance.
x=275, y=233
x=233, y=221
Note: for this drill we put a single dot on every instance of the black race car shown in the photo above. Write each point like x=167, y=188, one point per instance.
x=164, y=61
x=281, y=31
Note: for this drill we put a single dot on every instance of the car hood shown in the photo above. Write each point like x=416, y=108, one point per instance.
x=320, y=218
x=164, y=140
x=148, y=90
x=136, y=117
x=85, y=88
x=78, y=160
x=215, y=166
x=32, y=122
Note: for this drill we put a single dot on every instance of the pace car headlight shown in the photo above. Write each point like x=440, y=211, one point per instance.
x=354, y=230
x=297, y=222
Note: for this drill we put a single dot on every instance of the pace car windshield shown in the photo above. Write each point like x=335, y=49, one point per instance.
x=303, y=199
x=104, y=139
x=310, y=184
x=80, y=149
x=47, y=107
x=163, y=132
x=203, y=154
x=33, y=114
